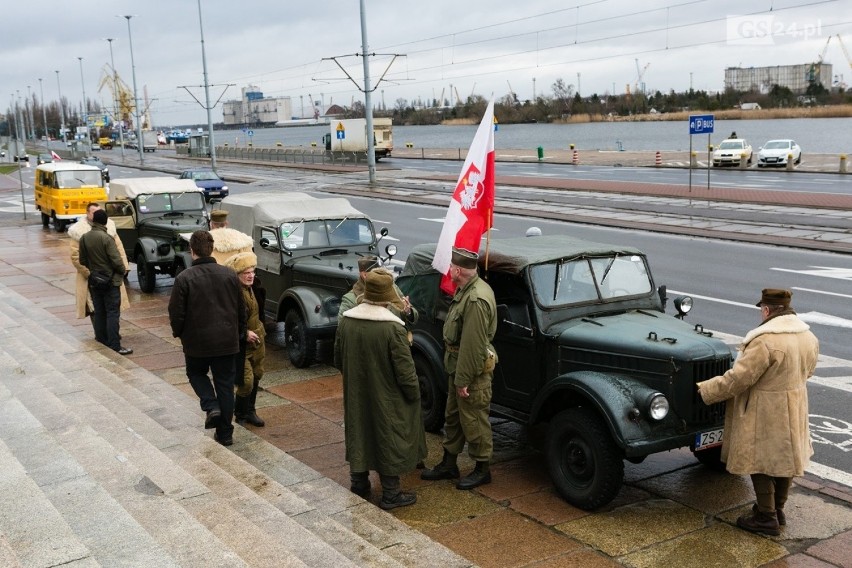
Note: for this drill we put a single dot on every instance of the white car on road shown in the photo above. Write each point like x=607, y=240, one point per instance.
x=775, y=153
x=732, y=152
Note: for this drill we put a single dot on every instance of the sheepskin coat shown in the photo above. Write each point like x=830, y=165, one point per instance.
x=228, y=242
x=82, y=296
x=381, y=395
x=766, y=418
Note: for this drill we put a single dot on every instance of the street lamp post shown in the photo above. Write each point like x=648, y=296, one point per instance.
x=139, y=143
x=85, y=106
x=368, y=100
x=61, y=108
x=116, y=106
x=44, y=112
x=207, y=94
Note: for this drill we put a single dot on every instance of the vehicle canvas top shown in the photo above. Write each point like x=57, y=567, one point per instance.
x=274, y=208
x=513, y=255
x=130, y=188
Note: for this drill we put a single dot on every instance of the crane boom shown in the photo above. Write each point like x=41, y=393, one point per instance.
x=845, y=52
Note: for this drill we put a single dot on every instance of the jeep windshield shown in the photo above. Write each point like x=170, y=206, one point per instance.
x=160, y=203
x=590, y=279
x=327, y=233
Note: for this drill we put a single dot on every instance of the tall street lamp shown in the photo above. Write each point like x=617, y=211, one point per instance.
x=135, y=94
x=207, y=94
x=44, y=112
x=85, y=105
x=61, y=109
x=116, y=105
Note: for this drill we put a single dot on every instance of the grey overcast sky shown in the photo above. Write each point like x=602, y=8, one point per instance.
x=449, y=47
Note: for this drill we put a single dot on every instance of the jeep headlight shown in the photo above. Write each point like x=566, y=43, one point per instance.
x=658, y=406
x=683, y=304
x=163, y=249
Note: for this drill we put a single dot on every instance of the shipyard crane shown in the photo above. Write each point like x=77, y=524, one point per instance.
x=121, y=93
x=816, y=67
x=845, y=52
x=512, y=92
x=639, y=86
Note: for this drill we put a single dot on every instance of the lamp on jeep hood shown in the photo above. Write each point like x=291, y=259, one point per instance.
x=683, y=304
x=658, y=406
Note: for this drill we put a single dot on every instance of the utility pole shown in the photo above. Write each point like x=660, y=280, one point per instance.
x=368, y=98
x=44, y=113
x=115, y=102
x=85, y=108
x=139, y=142
x=207, y=94
x=29, y=116
x=61, y=108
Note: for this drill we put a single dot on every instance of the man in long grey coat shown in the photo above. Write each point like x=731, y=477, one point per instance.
x=766, y=417
x=381, y=395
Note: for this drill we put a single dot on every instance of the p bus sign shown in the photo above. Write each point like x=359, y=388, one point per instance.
x=700, y=124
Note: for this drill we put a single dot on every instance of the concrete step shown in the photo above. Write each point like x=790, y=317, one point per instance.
x=138, y=435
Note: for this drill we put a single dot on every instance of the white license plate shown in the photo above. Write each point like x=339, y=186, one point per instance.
x=710, y=439
x=214, y=193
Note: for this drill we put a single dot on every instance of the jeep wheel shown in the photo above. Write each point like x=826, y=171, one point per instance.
x=145, y=274
x=433, y=401
x=711, y=458
x=301, y=348
x=585, y=465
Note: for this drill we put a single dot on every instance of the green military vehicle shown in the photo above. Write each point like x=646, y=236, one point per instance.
x=586, y=349
x=307, y=259
x=155, y=217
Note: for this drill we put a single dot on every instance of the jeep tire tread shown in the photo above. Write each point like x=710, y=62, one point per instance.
x=433, y=401
x=584, y=463
x=145, y=274
x=301, y=347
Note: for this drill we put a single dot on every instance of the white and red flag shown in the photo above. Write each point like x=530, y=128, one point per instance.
x=471, y=211
x=55, y=156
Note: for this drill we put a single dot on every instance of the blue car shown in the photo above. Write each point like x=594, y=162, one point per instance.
x=208, y=181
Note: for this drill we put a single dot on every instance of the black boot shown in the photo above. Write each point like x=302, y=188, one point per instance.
x=251, y=415
x=480, y=475
x=447, y=469
x=241, y=408
x=360, y=483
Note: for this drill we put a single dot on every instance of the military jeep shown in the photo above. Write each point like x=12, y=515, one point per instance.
x=307, y=259
x=155, y=217
x=585, y=350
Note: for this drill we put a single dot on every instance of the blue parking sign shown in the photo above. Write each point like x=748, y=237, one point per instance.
x=701, y=124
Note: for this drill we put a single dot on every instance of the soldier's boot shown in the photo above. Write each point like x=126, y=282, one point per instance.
x=447, y=469
x=392, y=497
x=759, y=522
x=360, y=483
x=480, y=475
x=240, y=408
x=251, y=412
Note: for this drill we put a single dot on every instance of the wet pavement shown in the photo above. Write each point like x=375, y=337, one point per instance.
x=671, y=510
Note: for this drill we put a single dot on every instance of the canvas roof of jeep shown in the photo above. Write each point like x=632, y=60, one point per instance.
x=274, y=208
x=513, y=255
x=130, y=188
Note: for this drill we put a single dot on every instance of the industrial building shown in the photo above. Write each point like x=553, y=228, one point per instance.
x=254, y=110
x=797, y=78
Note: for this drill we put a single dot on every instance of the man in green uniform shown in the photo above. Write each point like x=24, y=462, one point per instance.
x=469, y=359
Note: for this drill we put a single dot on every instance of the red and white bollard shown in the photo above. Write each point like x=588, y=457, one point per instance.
x=658, y=159
x=575, y=159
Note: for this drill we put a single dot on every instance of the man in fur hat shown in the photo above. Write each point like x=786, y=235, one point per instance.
x=401, y=307
x=82, y=296
x=253, y=350
x=381, y=395
x=766, y=416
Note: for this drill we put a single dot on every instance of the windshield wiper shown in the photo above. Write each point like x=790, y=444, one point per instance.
x=557, y=280
x=608, y=267
x=331, y=232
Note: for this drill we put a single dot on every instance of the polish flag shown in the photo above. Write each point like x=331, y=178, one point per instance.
x=55, y=156
x=471, y=211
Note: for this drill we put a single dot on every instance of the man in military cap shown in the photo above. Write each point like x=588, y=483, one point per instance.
x=469, y=360
x=401, y=307
x=766, y=416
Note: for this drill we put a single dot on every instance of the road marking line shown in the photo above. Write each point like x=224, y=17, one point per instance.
x=830, y=473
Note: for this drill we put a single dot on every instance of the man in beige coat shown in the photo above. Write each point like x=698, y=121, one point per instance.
x=766, y=417
x=82, y=295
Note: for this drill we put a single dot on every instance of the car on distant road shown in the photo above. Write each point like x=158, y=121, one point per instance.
x=732, y=152
x=44, y=159
x=94, y=161
x=208, y=180
x=775, y=153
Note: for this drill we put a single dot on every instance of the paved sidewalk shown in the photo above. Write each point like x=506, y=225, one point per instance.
x=671, y=511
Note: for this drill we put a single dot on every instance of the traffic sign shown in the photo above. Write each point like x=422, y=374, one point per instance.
x=250, y=132
x=341, y=131
x=701, y=124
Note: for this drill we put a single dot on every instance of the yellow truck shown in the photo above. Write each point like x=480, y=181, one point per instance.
x=64, y=189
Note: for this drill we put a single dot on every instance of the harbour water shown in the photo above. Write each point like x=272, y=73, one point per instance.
x=815, y=135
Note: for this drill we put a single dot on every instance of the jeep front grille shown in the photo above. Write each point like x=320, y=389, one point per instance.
x=701, y=371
